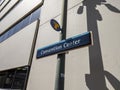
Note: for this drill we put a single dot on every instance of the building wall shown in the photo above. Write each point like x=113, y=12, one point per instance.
x=15, y=47
x=94, y=67
x=43, y=70
x=16, y=50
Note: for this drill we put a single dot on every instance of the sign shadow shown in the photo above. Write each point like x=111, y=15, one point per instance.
x=96, y=79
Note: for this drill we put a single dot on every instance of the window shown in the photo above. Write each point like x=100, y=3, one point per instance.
x=13, y=79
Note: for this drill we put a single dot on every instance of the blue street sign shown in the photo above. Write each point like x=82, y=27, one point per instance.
x=65, y=45
x=55, y=25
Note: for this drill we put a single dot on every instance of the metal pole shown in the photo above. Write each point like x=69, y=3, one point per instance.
x=60, y=71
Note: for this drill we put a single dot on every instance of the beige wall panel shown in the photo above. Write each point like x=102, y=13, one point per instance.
x=104, y=55
x=42, y=74
x=109, y=29
x=43, y=70
x=73, y=3
x=76, y=23
x=77, y=61
x=50, y=9
x=15, y=51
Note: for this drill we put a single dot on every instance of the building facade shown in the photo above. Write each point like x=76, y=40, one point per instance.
x=28, y=27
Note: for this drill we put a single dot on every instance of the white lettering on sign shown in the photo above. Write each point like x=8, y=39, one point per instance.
x=51, y=50
x=65, y=45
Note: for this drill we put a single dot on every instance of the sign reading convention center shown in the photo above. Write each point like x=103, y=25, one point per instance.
x=78, y=41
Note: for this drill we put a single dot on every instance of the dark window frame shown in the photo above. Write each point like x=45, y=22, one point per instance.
x=14, y=78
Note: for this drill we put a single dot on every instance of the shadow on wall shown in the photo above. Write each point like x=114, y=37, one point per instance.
x=96, y=79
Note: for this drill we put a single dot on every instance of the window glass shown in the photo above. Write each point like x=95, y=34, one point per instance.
x=2, y=78
x=13, y=79
x=19, y=79
x=9, y=79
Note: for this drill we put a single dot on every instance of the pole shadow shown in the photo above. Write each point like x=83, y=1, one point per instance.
x=113, y=80
x=96, y=79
